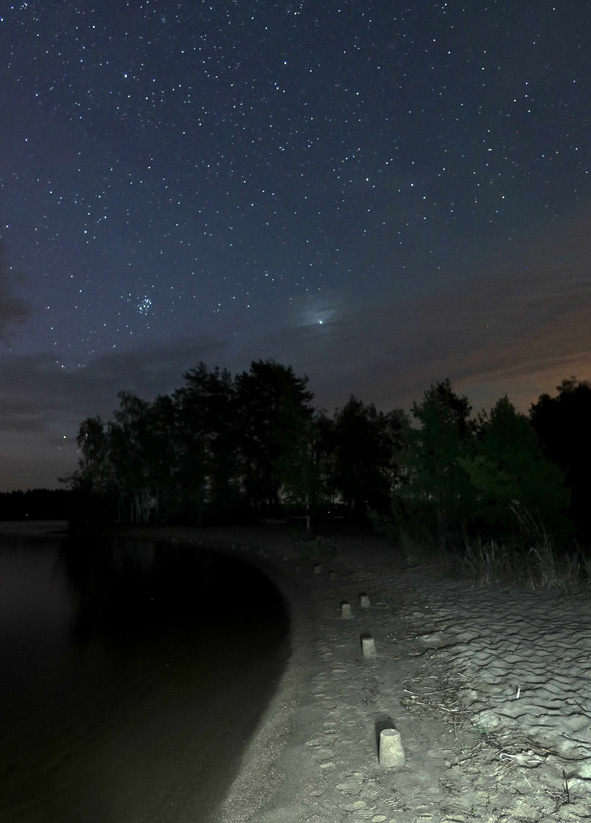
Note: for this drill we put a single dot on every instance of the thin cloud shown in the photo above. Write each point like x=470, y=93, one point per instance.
x=505, y=330
x=12, y=308
x=37, y=390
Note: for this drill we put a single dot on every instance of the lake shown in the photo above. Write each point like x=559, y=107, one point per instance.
x=131, y=676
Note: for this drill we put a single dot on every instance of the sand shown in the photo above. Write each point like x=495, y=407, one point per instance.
x=488, y=687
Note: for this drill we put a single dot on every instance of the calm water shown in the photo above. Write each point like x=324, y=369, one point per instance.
x=130, y=676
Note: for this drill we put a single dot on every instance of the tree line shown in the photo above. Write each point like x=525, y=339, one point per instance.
x=230, y=448
x=226, y=448
x=36, y=504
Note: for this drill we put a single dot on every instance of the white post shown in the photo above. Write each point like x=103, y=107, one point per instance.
x=391, y=754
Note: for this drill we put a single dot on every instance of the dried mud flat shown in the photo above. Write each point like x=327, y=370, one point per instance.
x=490, y=690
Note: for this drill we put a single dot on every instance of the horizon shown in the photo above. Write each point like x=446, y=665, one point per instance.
x=380, y=198
x=475, y=410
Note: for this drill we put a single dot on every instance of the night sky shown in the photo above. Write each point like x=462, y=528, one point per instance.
x=381, y=194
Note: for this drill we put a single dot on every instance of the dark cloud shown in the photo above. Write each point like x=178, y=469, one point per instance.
x=37, y=389
x=43, y=404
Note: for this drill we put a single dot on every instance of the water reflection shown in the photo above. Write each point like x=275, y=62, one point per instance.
x=123, y=664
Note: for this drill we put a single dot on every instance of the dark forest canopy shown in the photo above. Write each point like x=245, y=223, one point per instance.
x=563, y=426
x=249, y=447
x=244, y=447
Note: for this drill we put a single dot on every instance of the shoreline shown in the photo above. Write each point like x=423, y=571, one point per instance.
x=489, y=687
x=34, y=528
x=270, y=550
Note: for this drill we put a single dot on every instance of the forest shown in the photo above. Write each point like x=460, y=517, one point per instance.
x=252, y=447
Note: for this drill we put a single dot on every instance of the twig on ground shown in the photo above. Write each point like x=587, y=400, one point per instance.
x=566, y=789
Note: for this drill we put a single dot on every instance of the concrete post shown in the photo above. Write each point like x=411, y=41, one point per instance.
x=391, y=754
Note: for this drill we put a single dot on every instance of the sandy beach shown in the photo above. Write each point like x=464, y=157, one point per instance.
x=488, y=687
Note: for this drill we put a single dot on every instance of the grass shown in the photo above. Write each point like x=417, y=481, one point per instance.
x=535, y=566
x=416, y=552
x=530, y=560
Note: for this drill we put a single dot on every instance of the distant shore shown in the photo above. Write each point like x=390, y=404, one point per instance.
x=34, y=527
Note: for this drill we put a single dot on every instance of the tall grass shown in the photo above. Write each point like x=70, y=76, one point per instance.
x=531, y=560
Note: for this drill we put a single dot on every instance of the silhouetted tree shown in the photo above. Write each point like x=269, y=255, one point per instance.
x=297, y=468
x=133, y=451
x=508, y=468
x=219, y=443
x=131, y=458
x=95, y=471
x=93, y=481
x=271, y=403
x=162, y=456
x=209, y=461
x=436, y=488
x=364, y=443
x=563, y=426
